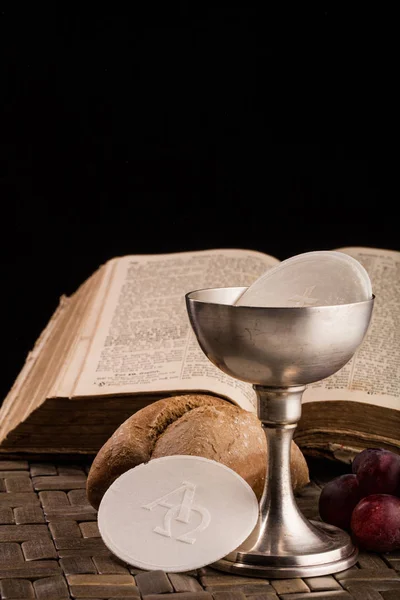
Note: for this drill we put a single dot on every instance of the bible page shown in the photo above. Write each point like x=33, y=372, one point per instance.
x=373, y=374
x=143, y=341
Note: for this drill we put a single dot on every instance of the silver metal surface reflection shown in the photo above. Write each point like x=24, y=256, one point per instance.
x=280, y=351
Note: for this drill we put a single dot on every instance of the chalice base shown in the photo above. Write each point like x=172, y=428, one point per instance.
x=335, y=553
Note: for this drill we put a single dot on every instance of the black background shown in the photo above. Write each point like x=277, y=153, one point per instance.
x=184, y=126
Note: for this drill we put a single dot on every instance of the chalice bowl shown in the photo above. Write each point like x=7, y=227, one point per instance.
x=279, y=351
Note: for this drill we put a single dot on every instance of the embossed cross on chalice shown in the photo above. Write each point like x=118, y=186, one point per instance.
x=280, y=351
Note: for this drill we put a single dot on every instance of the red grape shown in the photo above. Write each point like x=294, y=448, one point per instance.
x=375, y=523
x=361, y=456
x=337, y=500
x=378, y=472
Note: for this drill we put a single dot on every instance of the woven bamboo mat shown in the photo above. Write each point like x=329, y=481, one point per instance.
x=50, y=549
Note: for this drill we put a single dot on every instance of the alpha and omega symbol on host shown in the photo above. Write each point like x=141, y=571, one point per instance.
x=182, y=510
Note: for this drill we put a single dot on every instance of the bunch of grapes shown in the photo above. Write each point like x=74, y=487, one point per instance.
x=366, y=502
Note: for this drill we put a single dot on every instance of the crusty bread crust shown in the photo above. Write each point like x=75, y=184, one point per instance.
x=194, y=424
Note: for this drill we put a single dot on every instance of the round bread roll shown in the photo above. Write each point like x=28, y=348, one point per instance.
x=194, y=424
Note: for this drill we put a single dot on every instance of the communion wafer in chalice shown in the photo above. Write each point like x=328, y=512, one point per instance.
x=279, y=350
x=321, y=278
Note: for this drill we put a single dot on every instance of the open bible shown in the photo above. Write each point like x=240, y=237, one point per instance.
x=123, y=340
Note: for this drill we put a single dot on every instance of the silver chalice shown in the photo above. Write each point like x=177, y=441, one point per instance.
x=280, y=351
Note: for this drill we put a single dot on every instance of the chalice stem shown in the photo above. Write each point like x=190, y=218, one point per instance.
x=279, y=410
x=278, y=494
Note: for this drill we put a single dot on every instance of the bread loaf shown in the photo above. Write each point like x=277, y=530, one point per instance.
x=194, y=424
